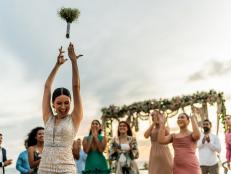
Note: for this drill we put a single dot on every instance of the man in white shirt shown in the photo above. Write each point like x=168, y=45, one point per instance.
x=3, y=160
x=208, y=145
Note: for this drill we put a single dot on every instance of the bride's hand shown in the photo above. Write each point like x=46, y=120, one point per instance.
x=60, y=58
x=71, y=53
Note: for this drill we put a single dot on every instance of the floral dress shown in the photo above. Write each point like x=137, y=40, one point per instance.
x=124, y=157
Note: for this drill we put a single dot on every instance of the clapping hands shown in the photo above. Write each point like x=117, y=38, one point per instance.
x=94, y=132
x=162, y=119
x=206, y=138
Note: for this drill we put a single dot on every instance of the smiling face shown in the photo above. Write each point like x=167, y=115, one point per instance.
x=123, y=128
x=40, y=136
x=206, y=126
x=95, y=125
x=182, y=120
x=62, y=105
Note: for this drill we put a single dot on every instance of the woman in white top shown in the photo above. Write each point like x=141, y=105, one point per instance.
x=124, y=150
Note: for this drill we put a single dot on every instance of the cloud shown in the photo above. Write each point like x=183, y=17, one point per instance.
x=20, y=96
x=130, y=54
x=210, y=69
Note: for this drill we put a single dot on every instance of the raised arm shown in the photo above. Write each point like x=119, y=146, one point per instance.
x=77, y=113
x=46, y=107
x=148, y=132
x=195, y=129
x=163, y=138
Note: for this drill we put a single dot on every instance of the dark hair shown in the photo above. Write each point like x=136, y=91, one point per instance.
x=31, y=136
x=129, y=132
x=26, y=143
x=100, y=130
x=60, y=91
x=207, y=120
x=185, y=115
x=0, y=134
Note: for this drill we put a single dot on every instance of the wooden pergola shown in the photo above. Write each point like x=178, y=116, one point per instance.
x=198, y=102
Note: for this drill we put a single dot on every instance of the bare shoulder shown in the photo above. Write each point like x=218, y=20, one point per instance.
x=31, y=149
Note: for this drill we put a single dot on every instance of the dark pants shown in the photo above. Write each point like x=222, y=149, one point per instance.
x=125, y=170
x=210, y=169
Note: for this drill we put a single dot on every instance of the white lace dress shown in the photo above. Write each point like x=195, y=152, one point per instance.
x=57, y=152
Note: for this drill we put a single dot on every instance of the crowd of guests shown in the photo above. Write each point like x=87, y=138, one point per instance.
x=52, y=149
x=123, y=149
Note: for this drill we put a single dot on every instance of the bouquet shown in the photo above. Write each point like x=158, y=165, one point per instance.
x=69, y=15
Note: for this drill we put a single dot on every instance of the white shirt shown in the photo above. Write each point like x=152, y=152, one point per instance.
x=125, y=147
x=208, y=151
x=1, y=156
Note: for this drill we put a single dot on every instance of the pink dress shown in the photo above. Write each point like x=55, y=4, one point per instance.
x=185, y=160
x=160, y=159
x=228, y=145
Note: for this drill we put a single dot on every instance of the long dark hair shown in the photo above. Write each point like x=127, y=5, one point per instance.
x=129, y=132
x=100, y=130
x=31, y=136
x=60, y=91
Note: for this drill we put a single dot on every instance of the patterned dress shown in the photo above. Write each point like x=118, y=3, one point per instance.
x=57, y=152
x=130, y=155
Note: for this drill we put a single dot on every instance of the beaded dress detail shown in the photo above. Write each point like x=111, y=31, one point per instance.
x=57, y=152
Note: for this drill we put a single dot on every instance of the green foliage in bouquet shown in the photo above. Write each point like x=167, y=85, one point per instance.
x=69, y=14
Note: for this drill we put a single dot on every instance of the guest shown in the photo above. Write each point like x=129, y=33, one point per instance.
x=124, y=150
x=35, y=147
x=22, y=164
x=184, y=144
x=208, y=145
x=94, y=145
x=79, y=155
x=228, y=139
x=160, y=159
x=61, y=127
x=3, y=158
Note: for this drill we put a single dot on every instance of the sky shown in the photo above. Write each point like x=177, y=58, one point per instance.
x=133, y=51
